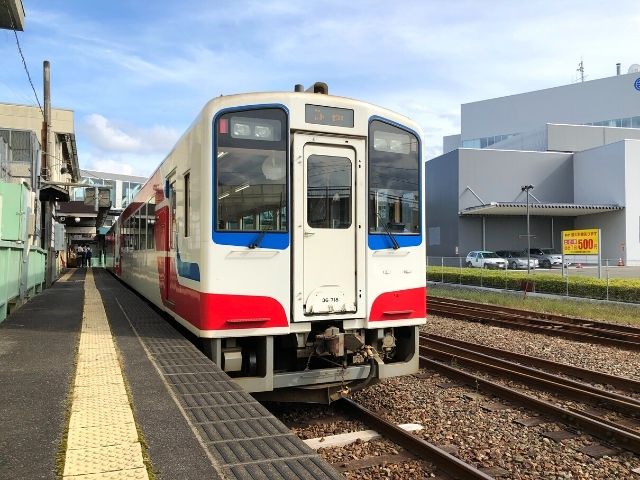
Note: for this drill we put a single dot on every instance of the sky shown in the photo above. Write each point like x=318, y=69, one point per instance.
x=137, y=73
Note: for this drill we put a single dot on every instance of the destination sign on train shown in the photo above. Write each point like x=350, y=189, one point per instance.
x=337, y=117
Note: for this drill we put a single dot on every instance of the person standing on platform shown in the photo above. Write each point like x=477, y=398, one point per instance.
x=88, y=254
x=80, y=256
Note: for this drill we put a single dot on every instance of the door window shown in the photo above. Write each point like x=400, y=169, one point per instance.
x=328, y=192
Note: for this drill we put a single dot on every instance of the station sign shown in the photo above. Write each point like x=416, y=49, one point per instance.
x=581, y=242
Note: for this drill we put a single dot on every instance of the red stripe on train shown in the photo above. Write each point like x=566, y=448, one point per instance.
x=214, y=311
x=401, y=304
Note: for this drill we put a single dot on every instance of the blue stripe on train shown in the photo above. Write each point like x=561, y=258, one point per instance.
x=187, y=269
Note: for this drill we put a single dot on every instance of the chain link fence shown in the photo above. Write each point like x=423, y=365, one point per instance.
x=580, y=277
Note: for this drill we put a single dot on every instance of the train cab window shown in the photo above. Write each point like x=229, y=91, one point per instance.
x=251, y=171
x=394, y=180
x=328, y=192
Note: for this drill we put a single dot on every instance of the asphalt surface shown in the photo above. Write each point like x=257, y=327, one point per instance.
x=37, y=356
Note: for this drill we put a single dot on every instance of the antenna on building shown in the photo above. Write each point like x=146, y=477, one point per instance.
x=635, y=68
x=581, y=70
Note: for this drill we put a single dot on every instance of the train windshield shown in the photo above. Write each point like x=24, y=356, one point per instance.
x=251, y=171
x=394, y=180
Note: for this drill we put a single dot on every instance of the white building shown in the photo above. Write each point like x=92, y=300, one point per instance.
x=578, y=144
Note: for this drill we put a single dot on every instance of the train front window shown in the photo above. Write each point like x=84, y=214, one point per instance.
x=394, y=180
x=251, y=171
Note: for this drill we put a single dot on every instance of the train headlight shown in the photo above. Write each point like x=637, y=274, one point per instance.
x=262, y=129
x=241, y=130
x=263, y=132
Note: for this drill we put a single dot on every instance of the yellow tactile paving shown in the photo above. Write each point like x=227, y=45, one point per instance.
x=93, y=418
x=95, y=390
x=102, y=442
x=102, y=402
x=126, y=456
x=102, y=436
x=135, y=474
x=110, y=379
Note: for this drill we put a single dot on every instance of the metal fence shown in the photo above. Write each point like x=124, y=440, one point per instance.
x=613, y=279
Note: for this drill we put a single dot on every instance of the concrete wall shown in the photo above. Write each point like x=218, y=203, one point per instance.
x=599, y=175
x=632, y=207
x=498, y=175
x=611, y=174
x=575, y=138
x=25, y=117
x=612, y=226
x=591, y=101
x=442, y=204
x=450, y=143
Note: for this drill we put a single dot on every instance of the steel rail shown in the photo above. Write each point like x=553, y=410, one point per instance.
x=547, y=316
x=531, y=377
x=621, y=383
x=449, y=464
x=535, y=326
x=584, y=327
x=604, y=431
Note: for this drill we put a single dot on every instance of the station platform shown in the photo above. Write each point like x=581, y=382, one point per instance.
x=95, y=384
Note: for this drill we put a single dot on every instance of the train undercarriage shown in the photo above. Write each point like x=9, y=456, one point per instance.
x=320, y=366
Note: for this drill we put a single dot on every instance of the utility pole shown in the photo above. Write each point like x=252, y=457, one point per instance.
x=47, y=167
x=526, y=188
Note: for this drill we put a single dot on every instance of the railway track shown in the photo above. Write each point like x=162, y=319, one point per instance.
x=435, y=350
x=444, y=461
x=623, y=336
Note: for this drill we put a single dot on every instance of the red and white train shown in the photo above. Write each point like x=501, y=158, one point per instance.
x=286, y=231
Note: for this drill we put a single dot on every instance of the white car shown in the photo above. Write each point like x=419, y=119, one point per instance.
x=485, y=259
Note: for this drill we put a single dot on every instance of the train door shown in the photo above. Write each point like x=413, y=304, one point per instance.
x=172, y=231
x=328, y=227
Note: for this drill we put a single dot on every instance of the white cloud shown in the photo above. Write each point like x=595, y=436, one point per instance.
x=117, y=147
x=110, y=136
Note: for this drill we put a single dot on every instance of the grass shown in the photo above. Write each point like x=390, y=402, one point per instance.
x=594, y=310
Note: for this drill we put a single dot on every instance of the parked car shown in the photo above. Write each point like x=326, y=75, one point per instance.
x=517, y=259
x=485, y=259
x=547, y=257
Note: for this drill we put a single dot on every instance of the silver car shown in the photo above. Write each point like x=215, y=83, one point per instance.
x=516, y=260
x=547, y=257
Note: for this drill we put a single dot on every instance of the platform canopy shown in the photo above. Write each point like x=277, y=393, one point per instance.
x=540, y=209
x=11, y=15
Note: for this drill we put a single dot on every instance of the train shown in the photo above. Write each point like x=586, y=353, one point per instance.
x=285, y=230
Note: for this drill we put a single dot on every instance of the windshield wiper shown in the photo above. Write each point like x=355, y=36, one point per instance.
x=258, y=239
x=394, y=242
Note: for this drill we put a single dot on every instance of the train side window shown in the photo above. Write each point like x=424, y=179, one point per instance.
x=251, y=171
x=187, y=202
x=142, y=220
x=136, y=230
x=151, y=223
x=328, y=192
x=129, y=242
